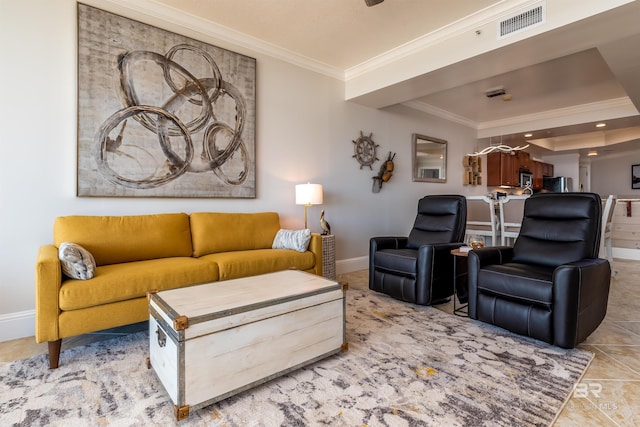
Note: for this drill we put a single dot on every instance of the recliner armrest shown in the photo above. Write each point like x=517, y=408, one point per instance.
x=479, y=258
x=380, y=243
x=435, y=254
x=440, y=252
x=490, y=255
x=435, y=260
x=445, y=247
x=579, y=299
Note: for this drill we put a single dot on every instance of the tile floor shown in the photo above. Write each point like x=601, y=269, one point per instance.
x=609, y=392
x=607, y=395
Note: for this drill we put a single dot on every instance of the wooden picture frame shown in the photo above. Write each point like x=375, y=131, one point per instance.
x=161, y=114
x=428, y=158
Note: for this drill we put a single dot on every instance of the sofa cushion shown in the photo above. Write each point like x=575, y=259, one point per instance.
x=232, y=265
x=76, y=261
x=214, y=232
x=120, y=282
x=297, y=240
x=118, y=239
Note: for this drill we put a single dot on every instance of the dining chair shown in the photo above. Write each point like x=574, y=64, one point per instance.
x=511, y=211
x=482, y=219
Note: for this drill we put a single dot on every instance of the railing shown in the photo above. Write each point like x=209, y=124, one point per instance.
x=626, y=224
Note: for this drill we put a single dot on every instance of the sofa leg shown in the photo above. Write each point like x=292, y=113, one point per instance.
x=54, y=353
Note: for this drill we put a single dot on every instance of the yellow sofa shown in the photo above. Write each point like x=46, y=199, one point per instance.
x=135, y=254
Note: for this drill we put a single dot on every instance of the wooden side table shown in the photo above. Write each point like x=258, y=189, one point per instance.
x=460, y=281
x=329, y=256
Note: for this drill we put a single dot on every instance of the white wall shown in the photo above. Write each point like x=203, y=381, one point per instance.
x=304, y=133
x=609, y=174
x=612, y=174
x=566, y=165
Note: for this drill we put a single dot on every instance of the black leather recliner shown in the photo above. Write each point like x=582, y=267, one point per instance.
x=419, y=268
x=550, y=285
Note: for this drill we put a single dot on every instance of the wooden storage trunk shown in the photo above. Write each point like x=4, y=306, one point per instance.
x=211, y=341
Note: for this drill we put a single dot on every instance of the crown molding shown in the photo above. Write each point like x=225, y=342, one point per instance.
x=613, y=108
x=454, y=29
x=438, y=112
x=619, y=107
x=168, y=16
x=158, y=14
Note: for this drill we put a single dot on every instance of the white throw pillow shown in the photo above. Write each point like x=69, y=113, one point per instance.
x=297, y=240
x=76, y=261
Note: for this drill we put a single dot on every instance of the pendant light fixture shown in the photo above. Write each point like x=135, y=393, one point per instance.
x=499, y=147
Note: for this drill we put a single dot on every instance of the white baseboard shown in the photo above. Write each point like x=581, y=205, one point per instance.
x=352, y=264
x=17, y=325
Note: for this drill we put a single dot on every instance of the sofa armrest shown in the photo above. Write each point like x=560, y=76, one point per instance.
x=580, y=295
x=315, y=246
x=48, y=282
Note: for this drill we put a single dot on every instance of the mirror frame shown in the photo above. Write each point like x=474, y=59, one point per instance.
x=416, y=138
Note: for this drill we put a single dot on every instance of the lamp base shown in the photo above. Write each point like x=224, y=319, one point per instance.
x=305, y=216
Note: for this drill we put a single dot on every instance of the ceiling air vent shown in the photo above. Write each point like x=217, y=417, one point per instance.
x=524, y=20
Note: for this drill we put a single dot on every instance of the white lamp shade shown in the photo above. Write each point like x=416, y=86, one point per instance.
x=308, y=194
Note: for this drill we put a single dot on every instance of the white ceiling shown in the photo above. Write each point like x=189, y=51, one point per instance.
x=339, y=33
x=586, y=71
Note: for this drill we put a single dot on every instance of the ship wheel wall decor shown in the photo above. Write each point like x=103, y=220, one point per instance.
x=364, y=150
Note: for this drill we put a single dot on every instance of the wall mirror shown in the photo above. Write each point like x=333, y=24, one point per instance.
x=429, y=159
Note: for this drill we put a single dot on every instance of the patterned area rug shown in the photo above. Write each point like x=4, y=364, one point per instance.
x=406, y=366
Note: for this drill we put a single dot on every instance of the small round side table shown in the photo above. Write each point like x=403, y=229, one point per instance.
x=459, y=281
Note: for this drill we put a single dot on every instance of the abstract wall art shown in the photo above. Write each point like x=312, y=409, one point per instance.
x=160, y=114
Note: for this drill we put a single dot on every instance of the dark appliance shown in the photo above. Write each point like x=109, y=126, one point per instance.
x=557, y=184
x=526, y=179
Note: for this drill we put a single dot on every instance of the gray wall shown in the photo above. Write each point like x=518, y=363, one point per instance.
x=304, y=133
x=612, y=175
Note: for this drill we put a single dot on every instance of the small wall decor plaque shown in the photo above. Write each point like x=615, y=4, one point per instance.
x=384, y=174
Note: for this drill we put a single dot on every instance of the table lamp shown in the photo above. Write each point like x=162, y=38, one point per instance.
x=308, y=195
